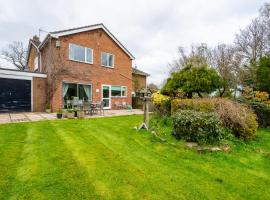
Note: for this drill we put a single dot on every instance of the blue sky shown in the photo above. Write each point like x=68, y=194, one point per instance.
x=151, y=29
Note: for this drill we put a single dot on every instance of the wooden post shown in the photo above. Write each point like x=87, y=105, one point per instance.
x=145, y=123
x=146, y=112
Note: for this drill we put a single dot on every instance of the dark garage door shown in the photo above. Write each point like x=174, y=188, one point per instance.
x=15, y=95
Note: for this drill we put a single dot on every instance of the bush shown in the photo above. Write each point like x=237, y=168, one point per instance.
x=201, y=105
x=162, y=104
x=262, y=111
x=158, y=98
x=198, y=127
x=240, y=119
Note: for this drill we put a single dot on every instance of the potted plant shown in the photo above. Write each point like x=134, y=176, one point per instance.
x=48, y=108
x=70, y=114
x=64, y=113
x=80, y=114
x=59, y=113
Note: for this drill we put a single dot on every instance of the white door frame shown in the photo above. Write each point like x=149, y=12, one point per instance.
x=110, y=98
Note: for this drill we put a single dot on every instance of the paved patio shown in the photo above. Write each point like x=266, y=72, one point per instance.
x=32, y=116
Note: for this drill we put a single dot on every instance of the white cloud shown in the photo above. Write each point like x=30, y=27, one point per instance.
x=152, y=30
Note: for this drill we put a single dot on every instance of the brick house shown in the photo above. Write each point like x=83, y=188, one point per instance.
x=86, y=62
x=139, y=80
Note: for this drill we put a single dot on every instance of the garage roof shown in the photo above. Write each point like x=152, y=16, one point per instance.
x=17, y=73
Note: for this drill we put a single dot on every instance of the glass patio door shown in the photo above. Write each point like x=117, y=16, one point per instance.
x=106, y=96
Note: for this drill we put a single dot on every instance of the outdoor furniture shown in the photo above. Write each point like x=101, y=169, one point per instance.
x=68, y=104
x=75, y=102
x=100, y=107
x=96, y=108
x=86, y=107
x=93, y=108
x=124, y=105
x=117, y=105
x=80, y=104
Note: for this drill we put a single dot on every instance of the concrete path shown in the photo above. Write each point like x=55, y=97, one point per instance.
x=33, y=116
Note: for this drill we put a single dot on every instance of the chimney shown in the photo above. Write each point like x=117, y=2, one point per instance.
x=36, y=40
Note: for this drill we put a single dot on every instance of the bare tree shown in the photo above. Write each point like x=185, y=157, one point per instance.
x=15, y=53
x=227, y=62
x=198, y=56
x=252, y=42
x=153, y=87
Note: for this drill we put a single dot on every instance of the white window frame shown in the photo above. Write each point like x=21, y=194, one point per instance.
x=36, y=63
x=120, y=91
x=85, y=54
x=107, y=55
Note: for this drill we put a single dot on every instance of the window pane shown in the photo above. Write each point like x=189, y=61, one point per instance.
x=70, y=91
x=77, y=53
x=84, y=92
x=89, y=55
x=106, y=103
x=104, y=59
x=116, y=91
x=106, y=91
x=111, y=60
x=124, y=91
x=36, y=63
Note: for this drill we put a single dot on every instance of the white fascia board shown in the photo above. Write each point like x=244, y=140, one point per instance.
x=20, y=74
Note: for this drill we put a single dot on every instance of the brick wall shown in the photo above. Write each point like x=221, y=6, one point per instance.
x=39, y=94
x=83, y=73
x=138, y=82
x=31, y=60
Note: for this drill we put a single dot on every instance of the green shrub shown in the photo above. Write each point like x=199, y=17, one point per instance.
x=262, y=111
x=201, y=105
x=198, y=127
x=237, y=117
x=163, y=108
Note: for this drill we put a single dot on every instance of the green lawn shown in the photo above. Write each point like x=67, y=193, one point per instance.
x=107, y=159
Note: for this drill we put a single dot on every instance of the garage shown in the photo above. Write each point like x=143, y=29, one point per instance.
x=21, y=91
x=15, y=95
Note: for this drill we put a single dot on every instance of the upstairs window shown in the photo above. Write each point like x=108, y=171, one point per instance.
x=81, y=54
x=107, y=59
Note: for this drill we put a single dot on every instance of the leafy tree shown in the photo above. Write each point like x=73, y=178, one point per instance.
x=263, y=74
x=191, y=80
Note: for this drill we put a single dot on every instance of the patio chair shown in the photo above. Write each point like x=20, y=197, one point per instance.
x=93, y=108
x=124, y=105
x=86, y=107
x=100, y=107
x=118, y=105
x=80, y=104
x=75, y=102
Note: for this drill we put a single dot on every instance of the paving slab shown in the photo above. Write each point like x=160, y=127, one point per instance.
x=34, y=116
x=48, y=116
x=18, y=117
x=31, y=116
x=4, y=118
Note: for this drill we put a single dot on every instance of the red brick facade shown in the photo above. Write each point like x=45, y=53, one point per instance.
x=32, y=56
x=55, y=62
x=139, y=82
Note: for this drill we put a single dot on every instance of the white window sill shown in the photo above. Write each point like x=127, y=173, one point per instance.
x=107, y=66
x=119, y=97
x=90, y=63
